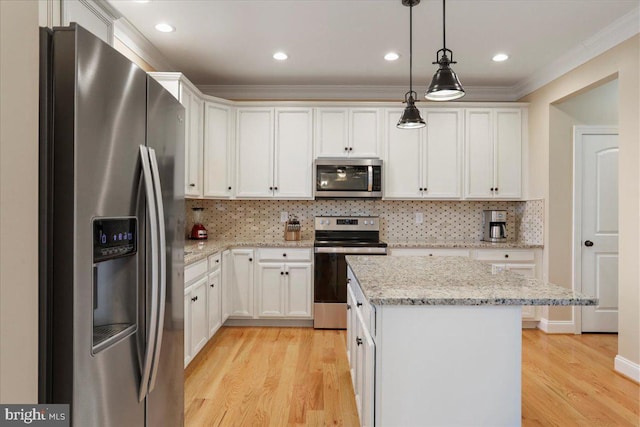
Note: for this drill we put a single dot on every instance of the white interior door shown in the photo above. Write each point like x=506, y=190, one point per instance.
x=599, y=228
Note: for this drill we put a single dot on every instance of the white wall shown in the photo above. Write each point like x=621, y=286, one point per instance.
x=19, y=201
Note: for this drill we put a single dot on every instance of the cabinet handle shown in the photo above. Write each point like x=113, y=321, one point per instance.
x=506, y=255
x=358, y=340
x=358, y=304
x=212, y=285
x=348, y=280
x=348, y=306
x=194, y=299
x=430, y=254
x=192, y=185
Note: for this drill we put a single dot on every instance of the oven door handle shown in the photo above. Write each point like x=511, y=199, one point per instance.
x=351, y=250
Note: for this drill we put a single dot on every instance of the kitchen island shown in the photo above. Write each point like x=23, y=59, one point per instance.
x=437, y=340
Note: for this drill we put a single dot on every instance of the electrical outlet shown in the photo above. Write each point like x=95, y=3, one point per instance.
x=284, y=216
x=419, y=217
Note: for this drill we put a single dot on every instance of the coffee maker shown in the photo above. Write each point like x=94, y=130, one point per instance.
x=494, y=226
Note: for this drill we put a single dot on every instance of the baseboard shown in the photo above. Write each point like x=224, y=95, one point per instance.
x=282, y=323
x=557, y=326
x=627, y=368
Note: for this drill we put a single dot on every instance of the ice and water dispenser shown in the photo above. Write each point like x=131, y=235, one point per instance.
x=115, y=279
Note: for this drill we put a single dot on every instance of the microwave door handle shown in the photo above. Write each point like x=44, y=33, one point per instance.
x=162, y=282
x=370, y=178
x=153, y=226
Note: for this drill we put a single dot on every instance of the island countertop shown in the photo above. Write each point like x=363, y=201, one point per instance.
x=416, y=280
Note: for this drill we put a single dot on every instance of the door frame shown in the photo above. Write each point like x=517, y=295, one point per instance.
x=576, y=273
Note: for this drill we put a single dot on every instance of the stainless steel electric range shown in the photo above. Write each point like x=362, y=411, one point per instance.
x=336, y=237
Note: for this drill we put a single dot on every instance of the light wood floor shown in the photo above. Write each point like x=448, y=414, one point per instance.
x=300, y=377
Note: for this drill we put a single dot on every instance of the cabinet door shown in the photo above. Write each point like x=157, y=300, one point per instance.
x=199, y=330
x=298, y=294
x=225, y=285
x=254, y=153
x=403, y=162
x=332, y=132
x=508, y=149
x=368, y=381
x=193, y=106
x=442, y=175
x=187, y=328
x=351, y=332
x=270, y=284
x=293, y=153
x=359, y=364
x=214, y=308
x=217, y=150
x=479, y=153
x=364, y=135
x=241, y=282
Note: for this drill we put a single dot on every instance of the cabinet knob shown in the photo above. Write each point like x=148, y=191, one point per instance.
x=270, y=188
x=192, y=185
x=229, y=188
x=348, y=280
x=275, y=188
x=506, y=255
x=348, y=306
x=496, y=189
x=286, y=272
x=350, y=148
x=346, y=148
x=194, y=299
x=492, y=189
x=430, y=254
x=284, y=255
x=250, y=259
x=282, y=273
x=213, y=286
x=420, y=189
x=358, y=340
x=588, y=243
x=217, y=260
x=358, y=304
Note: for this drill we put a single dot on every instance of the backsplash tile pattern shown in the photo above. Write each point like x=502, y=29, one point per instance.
x=245, y=220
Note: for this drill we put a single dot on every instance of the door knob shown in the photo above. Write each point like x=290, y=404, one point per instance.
x=588, y=243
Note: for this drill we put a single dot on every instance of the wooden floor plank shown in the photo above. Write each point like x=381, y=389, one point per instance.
x=300, y=377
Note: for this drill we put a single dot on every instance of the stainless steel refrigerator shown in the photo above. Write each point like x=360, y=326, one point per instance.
x=111, y=236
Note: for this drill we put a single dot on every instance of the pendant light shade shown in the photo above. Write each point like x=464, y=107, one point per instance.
x=411, y=116
x=445, y=85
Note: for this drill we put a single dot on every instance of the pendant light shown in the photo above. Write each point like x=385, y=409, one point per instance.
x=411, y=116
x=445, y=85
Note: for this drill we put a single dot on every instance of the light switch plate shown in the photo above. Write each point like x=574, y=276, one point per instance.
x=419, y=217
x=284, y=216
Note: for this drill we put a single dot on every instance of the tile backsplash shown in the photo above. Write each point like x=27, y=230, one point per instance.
x=243, y=220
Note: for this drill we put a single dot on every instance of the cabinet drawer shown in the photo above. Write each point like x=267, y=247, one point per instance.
x=195, y=270
x=429, y=252
x=504, y=256
x=362, y=305
x=215, y=261
x=284, y=254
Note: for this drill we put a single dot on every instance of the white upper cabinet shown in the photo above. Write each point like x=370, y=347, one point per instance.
x=493, y=140
x=348, y=132
x=191, y=100
x=424, y=163
x=218, y=152
x=293, y=167
x=274, y=153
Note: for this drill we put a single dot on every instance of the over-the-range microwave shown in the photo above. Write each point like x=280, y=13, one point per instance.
x=348, y=178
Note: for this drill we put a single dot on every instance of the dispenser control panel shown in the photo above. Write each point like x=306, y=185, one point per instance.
x=114, y=237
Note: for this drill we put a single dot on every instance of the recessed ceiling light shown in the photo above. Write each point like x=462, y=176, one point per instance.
x=280, y=56
x=391, y=56
x=165, y=28
x=500, y=57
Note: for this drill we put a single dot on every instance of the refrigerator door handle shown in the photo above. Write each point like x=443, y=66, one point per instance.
x=153, y=225
x=163, y=267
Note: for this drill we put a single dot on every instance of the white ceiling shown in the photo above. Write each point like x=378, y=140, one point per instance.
x=342, y=42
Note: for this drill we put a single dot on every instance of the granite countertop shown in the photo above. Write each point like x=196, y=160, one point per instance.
x=196, y=250
x=466, y=244
x=416, y=280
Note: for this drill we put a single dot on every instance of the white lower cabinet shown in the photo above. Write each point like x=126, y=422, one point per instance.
x=225, y=291
x=198, y=316
x=214, y=307
x=240, y=283
x=187, y=329
x=284, y=288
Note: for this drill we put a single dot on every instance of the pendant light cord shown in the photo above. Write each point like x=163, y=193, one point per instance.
x=410, y=48
x=444, y=28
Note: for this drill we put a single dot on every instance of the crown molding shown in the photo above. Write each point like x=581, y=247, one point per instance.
x=340, y=92
x=140, y=45
x=620, y=30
